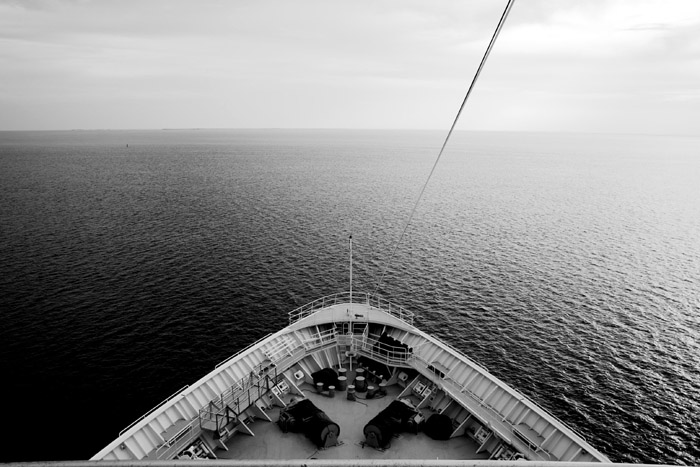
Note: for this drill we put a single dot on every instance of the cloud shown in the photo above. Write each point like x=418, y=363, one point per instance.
x=402, y=63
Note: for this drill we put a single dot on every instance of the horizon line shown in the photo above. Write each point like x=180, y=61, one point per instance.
x=571, y=132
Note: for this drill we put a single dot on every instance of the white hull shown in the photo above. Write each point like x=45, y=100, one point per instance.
x=334, y=332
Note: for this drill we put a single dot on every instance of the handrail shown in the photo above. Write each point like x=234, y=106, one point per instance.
x=356, y=297
x=187, y=385
x=242, y=350
x=479, y=400
x=389, y=307
x=457, y=390
x=384, y=353
x=178, y=441
x=234, y=392
x=326, y=337
x=368, y=346
x=154, y=408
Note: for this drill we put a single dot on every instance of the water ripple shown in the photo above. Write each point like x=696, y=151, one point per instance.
x=569, y=266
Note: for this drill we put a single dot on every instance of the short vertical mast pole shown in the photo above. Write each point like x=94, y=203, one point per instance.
x=350, y=268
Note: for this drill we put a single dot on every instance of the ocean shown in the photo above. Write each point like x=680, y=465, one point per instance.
x=134, y=261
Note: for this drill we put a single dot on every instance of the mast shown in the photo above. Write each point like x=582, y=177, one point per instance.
x=350, y=268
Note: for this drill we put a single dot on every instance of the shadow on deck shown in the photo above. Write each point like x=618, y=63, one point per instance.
x=270, y=442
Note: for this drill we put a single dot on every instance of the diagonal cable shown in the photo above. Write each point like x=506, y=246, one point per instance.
x=444, y=144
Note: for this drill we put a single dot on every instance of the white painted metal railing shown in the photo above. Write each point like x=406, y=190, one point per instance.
x=229, y=397
x=154, y=409
x=356, y=297
x=180, y=441
x=363, y=345
x=389, y=355
x=243, y=350
x=463, y=389
x=367, y=346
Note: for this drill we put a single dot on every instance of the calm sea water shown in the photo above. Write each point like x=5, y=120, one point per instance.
x=568, y=265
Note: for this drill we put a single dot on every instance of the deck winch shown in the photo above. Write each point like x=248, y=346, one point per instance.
x=304, y=417
x=399, y=416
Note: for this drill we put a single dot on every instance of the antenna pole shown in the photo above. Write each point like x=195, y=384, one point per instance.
x=350, y=268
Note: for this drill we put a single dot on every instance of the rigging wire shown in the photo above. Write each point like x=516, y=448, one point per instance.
x=447, y=138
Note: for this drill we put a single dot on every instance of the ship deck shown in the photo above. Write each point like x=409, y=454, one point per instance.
x=270, y=442
x=331, y=332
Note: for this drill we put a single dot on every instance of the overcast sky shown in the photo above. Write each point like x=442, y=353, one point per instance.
x=559, y=65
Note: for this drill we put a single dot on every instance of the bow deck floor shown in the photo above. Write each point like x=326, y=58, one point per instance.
x=270, y=442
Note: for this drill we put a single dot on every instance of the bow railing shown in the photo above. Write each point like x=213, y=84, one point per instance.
x=374, y=301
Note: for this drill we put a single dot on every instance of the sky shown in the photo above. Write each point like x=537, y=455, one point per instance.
x=617, y=66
